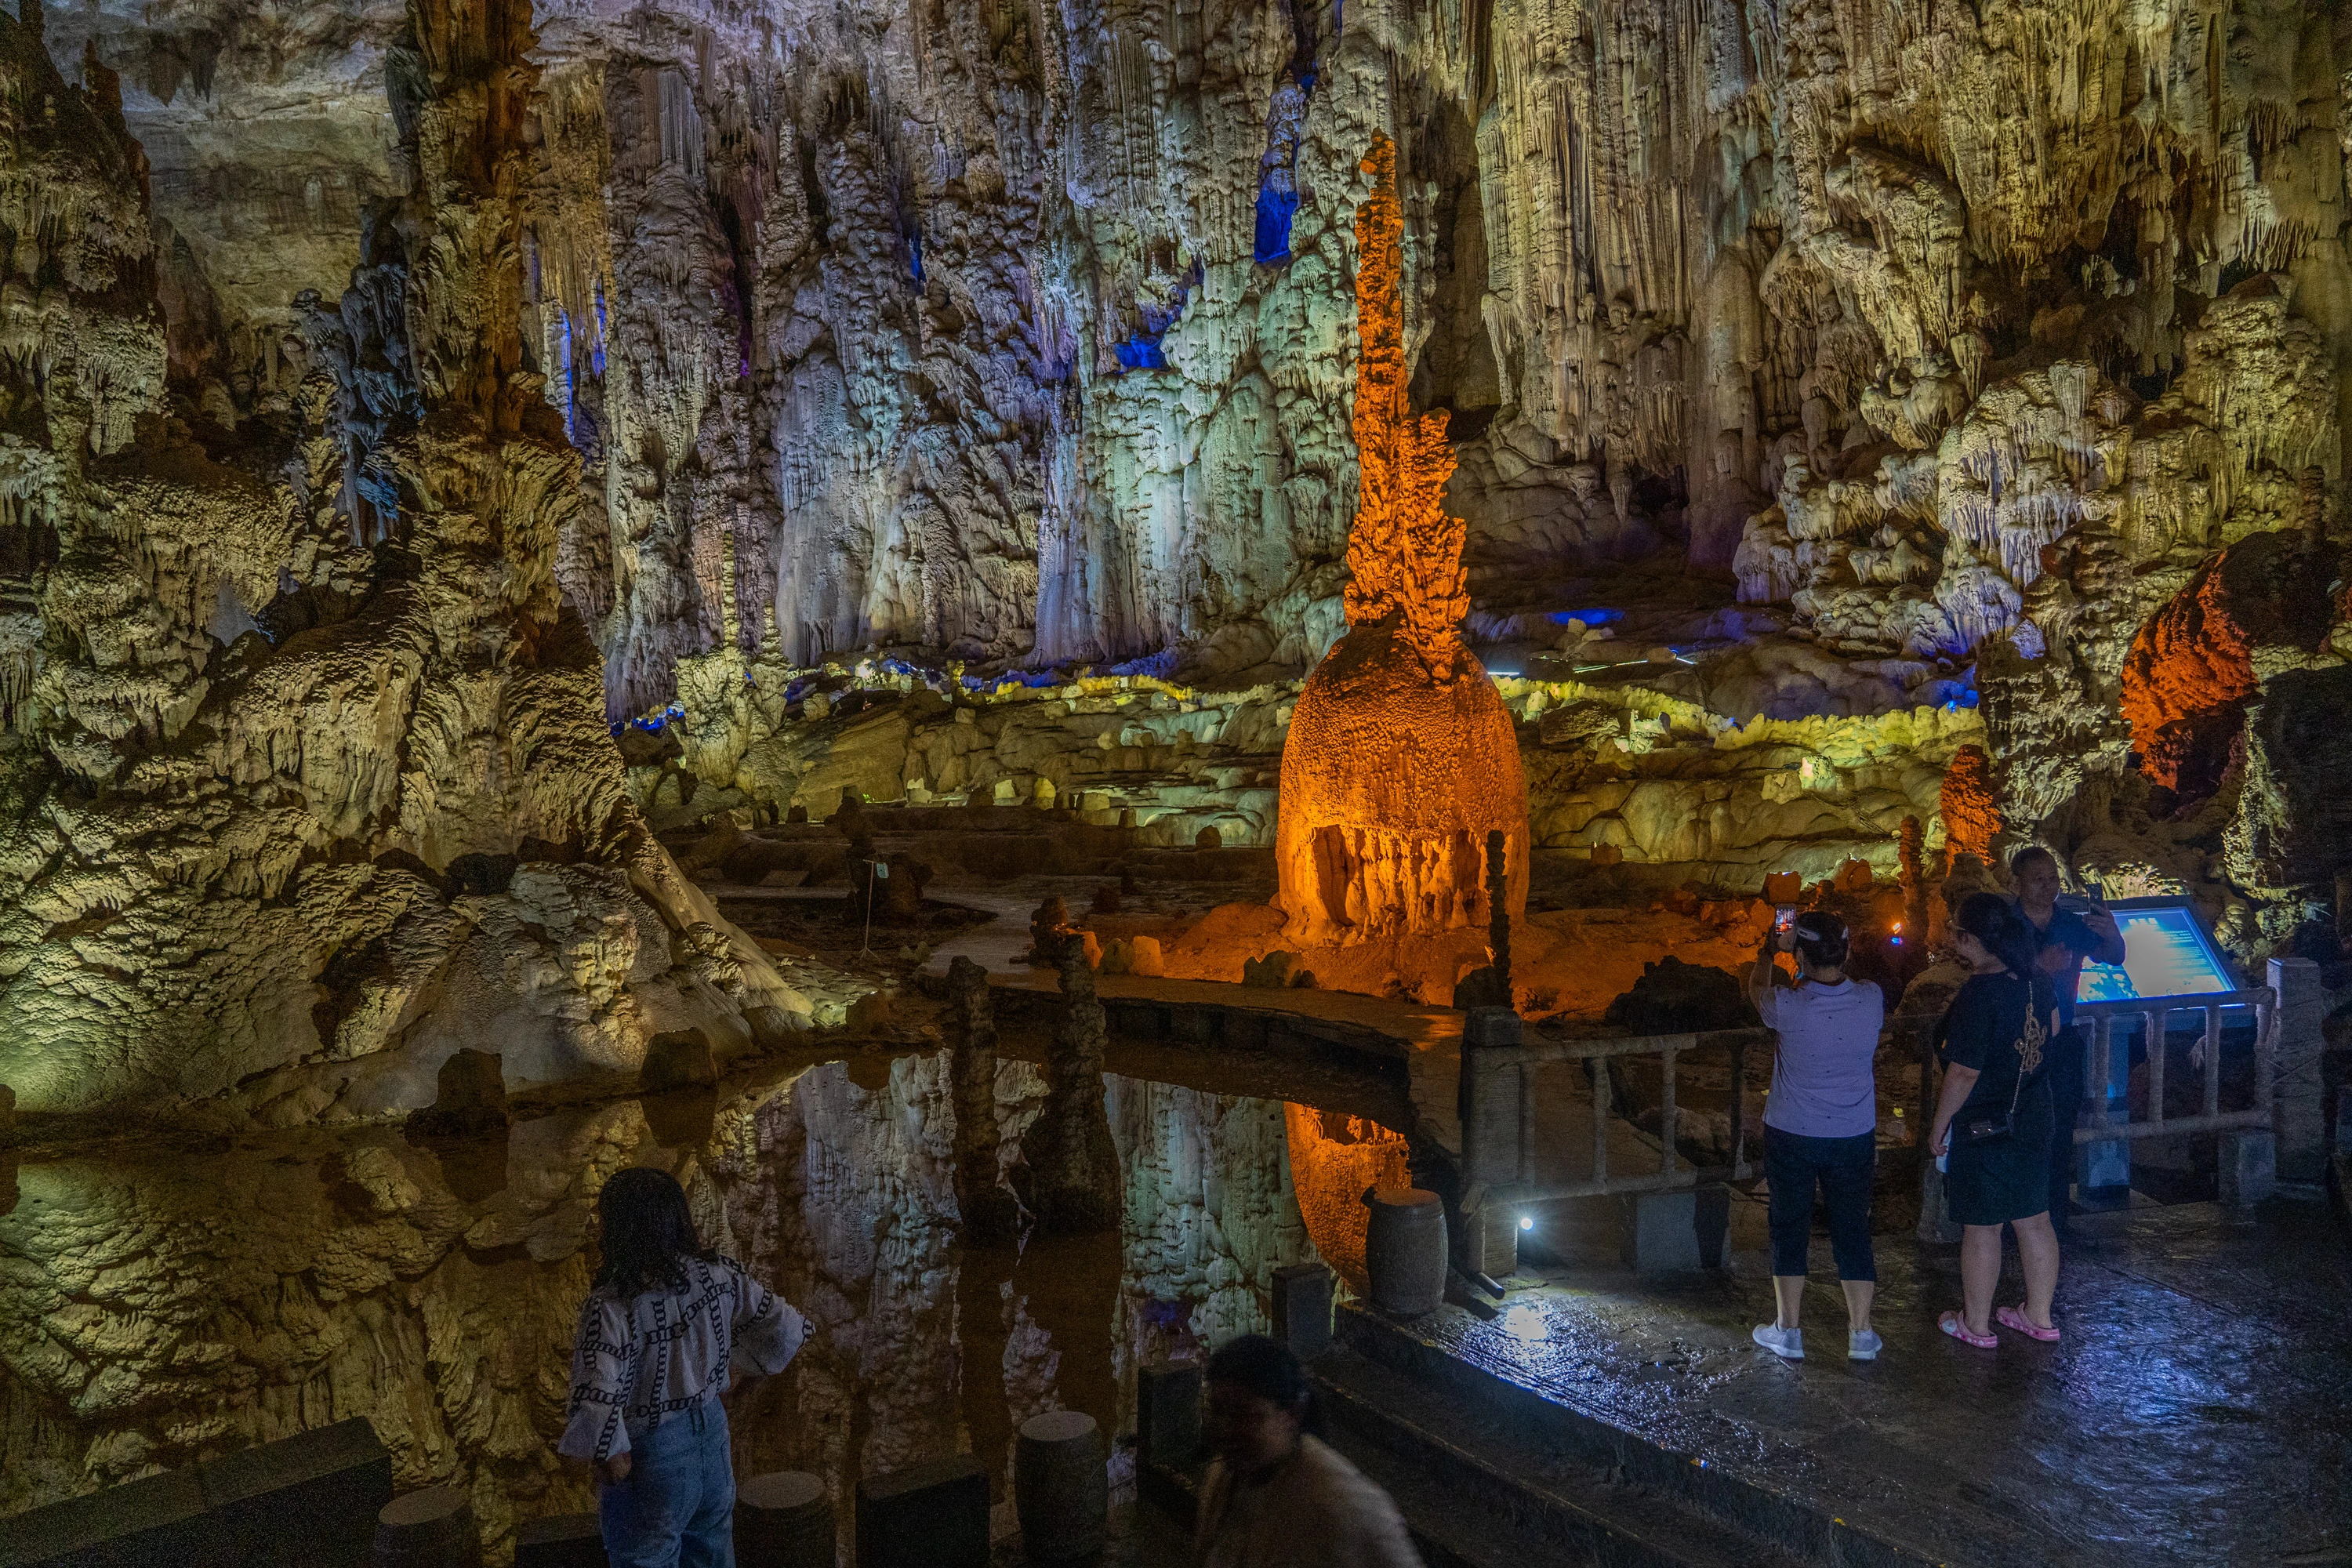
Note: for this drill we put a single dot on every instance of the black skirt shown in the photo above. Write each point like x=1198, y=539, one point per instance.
x=2009, y=1178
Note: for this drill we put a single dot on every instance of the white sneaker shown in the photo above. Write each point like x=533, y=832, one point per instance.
x=1789, y=1344
x=1863, y=1345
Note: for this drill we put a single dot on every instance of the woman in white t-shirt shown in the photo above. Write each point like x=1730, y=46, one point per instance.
x=1821, y=1124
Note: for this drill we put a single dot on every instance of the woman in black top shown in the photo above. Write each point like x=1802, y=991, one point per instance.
x=1994, y=1120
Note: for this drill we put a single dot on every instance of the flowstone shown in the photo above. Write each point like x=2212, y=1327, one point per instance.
x=301, y=797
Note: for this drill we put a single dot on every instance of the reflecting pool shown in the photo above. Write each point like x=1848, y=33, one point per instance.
x=163, y=1302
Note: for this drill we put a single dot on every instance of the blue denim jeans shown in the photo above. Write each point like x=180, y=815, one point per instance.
x=676, y=1510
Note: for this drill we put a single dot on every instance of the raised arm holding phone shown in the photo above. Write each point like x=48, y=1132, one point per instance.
x=2069, y=930
x=1821, y=1122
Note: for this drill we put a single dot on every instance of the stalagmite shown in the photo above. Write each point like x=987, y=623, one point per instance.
x=1073, y=1176
x=985, y=1202
x=1400, y=759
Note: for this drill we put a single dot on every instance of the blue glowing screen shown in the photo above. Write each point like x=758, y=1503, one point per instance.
x=2166, y=953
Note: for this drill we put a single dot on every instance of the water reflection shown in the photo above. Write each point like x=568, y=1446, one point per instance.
x=158, y=1305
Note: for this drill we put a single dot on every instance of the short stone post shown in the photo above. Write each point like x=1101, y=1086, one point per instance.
x=1302, y=1309
x=783, y=1520
x=2298, y=1113
x=559, y=1540
x=2249, y=1162
x=429, y=1528
x=1061, y=1486
x=1677, y=1232
x=1491, y=1121
x=930, y=1515
x=1167, y=1414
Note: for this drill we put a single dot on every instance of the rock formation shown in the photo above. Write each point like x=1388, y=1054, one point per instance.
x=308, y=793
x=1400, y=758
x=1075, y=1186
x=1015, y=335
x=986, y=1204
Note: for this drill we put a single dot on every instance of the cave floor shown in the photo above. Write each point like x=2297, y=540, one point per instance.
x=2199, y=1410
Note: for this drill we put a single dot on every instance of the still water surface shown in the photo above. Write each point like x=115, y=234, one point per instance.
x=160, y=1304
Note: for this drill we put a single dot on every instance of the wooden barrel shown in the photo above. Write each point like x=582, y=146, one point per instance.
x=783, y=1520
x=431, y=1528
x=1405, y=1250
x=1061, y=1486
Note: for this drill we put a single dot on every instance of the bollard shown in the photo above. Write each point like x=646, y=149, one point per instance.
x=783, y=1520
x=931, y=1515
x=559, y=1540
x=2297, y=1084
x=2249, y=1167
x=429, y=1528
x=1167, y=1414
x=1405, y=1250
x=1061, y=1486
x=1302, y=1309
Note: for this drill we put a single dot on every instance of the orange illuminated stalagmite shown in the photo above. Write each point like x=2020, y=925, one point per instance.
x=1400, y=756
x=1971, y=812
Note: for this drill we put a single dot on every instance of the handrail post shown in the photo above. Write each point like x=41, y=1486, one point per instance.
x=1739, y=1111
x=1494, y=1139
x=1490, y=1131
x=2102, y=1046
x=1666, y=1117
x=1599, y=1118
x=2298, y=1046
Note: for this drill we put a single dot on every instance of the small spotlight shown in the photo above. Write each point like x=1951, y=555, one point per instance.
x=1527, y=1222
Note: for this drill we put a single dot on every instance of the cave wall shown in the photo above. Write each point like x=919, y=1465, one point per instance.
x=306, y=783
x=1022, y=331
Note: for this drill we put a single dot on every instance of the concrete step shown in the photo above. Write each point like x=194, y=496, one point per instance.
x=1481, y=1493
x=1604, y=1493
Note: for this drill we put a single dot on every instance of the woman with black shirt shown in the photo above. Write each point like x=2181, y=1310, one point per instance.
x=1994, y=1120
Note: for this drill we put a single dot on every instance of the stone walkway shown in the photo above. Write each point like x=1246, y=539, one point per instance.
x=2199, y=1411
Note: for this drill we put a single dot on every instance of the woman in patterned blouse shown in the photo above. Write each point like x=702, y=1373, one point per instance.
x=666, y=1323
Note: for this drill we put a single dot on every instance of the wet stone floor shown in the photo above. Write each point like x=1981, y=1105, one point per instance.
x=2199, y=1410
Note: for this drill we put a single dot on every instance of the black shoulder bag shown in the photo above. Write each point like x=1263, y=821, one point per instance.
x=1983, y=1127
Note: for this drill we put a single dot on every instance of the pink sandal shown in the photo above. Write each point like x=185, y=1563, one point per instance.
x=2014, y=1318
x=1951, y=1325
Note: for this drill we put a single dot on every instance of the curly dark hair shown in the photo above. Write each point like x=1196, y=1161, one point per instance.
x=648, y=1233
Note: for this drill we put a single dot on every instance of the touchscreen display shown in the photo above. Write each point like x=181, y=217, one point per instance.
x=2166, y=953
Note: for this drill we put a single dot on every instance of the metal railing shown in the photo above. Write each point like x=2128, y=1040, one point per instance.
x=1499, y=1152
x=2099, y=1126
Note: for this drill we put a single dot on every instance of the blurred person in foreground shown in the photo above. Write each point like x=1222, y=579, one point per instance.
x=1276, y=1496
